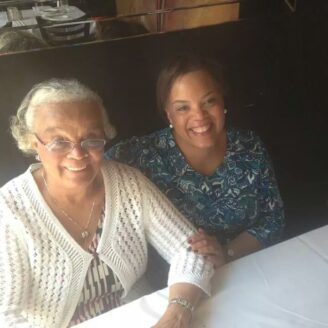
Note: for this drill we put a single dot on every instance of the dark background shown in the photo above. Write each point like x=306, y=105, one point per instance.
x=278, y=75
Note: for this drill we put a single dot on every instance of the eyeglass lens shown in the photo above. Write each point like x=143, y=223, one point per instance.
x=65, y=145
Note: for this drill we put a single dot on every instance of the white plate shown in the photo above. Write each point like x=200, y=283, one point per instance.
x=70, y=13
x=57, y=18
x=50, y=10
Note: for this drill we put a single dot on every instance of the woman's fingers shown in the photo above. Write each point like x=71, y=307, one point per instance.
x=205, y=249
x=201, y=241
x=207, y=246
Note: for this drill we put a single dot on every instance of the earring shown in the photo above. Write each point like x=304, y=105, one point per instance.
x=225, y=111
x=37, y=157
x=171, y=126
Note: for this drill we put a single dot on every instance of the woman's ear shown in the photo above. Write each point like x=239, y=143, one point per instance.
x=34, y=145
x=33, y=141
x=168, y=117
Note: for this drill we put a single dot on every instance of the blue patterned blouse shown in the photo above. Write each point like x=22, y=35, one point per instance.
x=242, y=193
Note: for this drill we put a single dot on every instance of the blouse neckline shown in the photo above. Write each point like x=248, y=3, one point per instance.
x=179, y=162
x=52, y=220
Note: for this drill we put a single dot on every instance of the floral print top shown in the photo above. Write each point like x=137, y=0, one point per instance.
x=242, y=194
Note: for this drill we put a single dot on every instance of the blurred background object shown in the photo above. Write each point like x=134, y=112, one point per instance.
x=179, y=14
x=118, y=28
x=16, y=40
x=113, y=19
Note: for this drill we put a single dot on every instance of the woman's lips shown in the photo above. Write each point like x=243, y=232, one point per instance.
x=201, y=129
x=76, y=169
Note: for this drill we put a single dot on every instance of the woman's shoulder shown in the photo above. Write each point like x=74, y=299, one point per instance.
x=242, y=139
x=15, y=198
x=17, y=183
x=129, y=181
x=118, y=170
x=243, y=135
x=154, y=138
x=142, y=152
x=152, y=141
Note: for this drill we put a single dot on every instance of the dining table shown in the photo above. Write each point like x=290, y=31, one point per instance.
x=282, y=286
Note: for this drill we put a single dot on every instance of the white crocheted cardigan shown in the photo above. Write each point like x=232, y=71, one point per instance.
x=42, y=268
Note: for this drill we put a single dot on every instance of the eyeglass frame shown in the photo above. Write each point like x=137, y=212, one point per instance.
x=73, y=144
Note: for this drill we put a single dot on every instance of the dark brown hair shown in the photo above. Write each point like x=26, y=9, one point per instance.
x=181, y=65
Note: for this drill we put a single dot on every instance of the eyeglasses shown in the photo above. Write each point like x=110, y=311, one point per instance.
x=66, y=146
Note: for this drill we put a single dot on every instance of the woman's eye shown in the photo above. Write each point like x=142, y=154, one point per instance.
x=182, y=108
x=58, y=141
x=210, y=101
x=58, y=138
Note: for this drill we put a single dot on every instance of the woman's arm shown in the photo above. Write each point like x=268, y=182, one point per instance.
x=265, y=231
x=242, y=245
x=14, y=274
x=168, y=231
x=269, y=226
x=190, y=273
x=218, y=254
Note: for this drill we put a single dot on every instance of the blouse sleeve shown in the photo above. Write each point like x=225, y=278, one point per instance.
x=270, y=224
x=14, y=273
x=168, y=231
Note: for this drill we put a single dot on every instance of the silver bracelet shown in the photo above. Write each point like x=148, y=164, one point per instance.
x=183, y=302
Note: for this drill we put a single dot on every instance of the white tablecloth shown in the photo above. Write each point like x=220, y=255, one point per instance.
x=284, y=286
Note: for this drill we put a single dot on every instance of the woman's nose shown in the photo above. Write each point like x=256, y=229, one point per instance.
x=199, y=112
x=77, y=152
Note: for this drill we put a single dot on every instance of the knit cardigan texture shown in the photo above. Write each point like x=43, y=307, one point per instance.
x=42, y=268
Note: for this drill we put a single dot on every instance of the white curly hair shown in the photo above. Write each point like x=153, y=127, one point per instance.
x=52, y=91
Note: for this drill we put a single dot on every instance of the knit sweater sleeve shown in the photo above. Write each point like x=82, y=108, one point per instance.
x=14, y=271
x=168, y=231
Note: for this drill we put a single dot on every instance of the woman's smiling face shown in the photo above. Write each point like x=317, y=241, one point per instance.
x=195, y=108
x=75, y=122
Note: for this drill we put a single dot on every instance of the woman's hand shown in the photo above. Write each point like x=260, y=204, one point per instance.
x=207, y=245
x=175, y=316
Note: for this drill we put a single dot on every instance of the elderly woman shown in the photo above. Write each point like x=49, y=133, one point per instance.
x=221, y=179
x=74, y=230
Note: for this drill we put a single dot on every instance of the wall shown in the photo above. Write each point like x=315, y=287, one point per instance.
x=276, y=78
x=181, y=19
